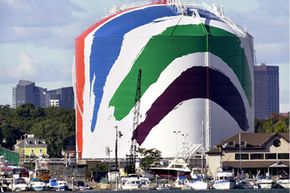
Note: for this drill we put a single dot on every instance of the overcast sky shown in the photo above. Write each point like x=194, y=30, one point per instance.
x=37, y=37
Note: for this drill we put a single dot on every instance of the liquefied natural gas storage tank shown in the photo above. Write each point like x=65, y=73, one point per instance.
x=165, y=74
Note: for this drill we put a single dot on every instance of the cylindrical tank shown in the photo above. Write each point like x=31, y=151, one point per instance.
x=191, y=68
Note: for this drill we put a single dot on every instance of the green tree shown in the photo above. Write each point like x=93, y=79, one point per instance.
x=55, y=125
x=280, y=126
x=149, y=156
x=276, y=123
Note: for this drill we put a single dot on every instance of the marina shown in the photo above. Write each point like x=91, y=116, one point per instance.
x=179, y=177
x=170, y=93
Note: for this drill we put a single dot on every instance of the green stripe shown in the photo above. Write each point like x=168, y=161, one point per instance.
x=173, y=43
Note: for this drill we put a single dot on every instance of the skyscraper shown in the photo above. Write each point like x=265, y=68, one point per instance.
x=26, y=92
x=266, y=91
x=62, y=97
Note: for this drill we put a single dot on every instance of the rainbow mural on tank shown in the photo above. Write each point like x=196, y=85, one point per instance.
x=195, y=67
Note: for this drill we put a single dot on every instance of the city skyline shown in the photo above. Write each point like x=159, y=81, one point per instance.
x=40, y=46
x=29, y=92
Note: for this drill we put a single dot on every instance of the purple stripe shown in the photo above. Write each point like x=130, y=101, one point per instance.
x=196, y=82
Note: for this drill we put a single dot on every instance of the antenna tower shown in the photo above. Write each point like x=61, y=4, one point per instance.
x=131, y=158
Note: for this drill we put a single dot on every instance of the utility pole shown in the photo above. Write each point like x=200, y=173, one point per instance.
x=118, y=135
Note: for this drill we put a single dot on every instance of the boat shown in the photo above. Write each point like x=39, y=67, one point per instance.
x=284, y=181
x=199, y=180
x=160, y=187
x=224, y=179
x=163, y=184
x=41, y=170
x=79, y=185
x=57, y=185
x=132, y=184
x=198, y=183
x=20, y=172
x=181, y=183
x=177, y=167
x=18, y=184
x=62, y=185
x=244, y=184
x=37, y=185
x=43, y=174
x=264, y=182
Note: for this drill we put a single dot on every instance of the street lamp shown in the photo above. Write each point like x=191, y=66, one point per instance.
x=184, y=135
x=176, y=133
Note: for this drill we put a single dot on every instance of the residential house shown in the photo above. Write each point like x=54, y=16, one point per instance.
x=31, y=147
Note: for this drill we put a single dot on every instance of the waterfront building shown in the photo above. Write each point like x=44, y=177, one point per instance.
x=251, y=153
x=266, y=91
x=26, y=92
x=31, y=147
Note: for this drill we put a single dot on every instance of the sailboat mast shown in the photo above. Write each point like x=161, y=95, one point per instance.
x=240, y=149
x=202, y=147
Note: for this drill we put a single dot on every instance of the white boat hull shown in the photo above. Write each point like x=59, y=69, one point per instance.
x=284, y=183
x=38, y=188
x=265, y=185
x=223, y=185
x=198, y=185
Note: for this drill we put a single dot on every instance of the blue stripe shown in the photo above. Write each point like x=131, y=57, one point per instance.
x=107, y=44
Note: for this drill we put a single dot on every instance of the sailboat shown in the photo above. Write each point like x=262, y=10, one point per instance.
x=242, y=183
x=284, y=181
x=199, y=182
x=264, y=182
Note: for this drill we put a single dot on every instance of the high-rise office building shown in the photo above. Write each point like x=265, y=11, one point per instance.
x=62, y=97
x=266, y=91
x=26, y=92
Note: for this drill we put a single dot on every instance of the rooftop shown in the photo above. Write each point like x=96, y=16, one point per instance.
x=30, y=141
x=253, y=139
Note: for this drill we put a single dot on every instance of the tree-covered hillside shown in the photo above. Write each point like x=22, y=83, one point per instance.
x=55, y=125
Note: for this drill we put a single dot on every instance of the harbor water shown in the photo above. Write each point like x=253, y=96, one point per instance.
x=198, y=191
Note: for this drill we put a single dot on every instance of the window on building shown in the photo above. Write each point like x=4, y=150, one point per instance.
x=270, y=156
x=242, y=156
x=283, y=155
x=256, y=156
x=40, y=150
x=243, y=143
x=277, y=142
x=231, y=143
